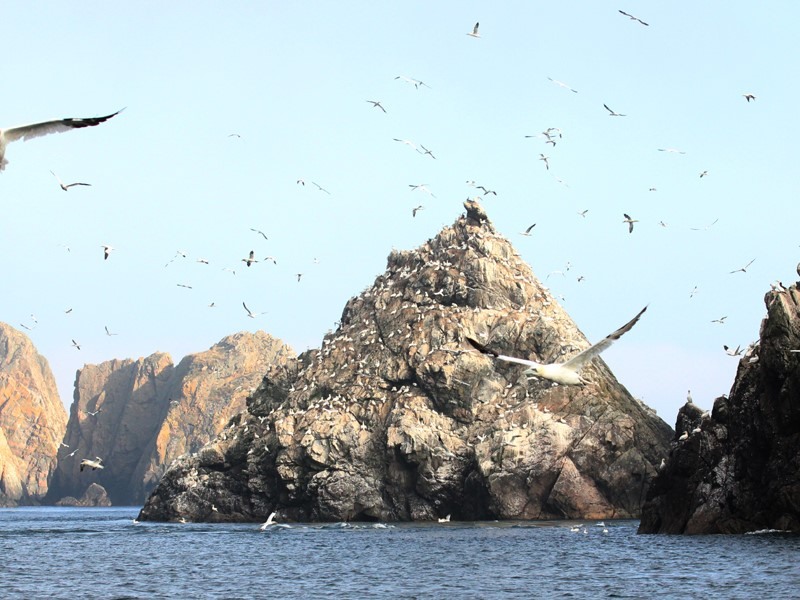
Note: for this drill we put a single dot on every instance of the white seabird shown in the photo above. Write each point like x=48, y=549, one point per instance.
x=744, y=268
x=27, y=132
x=270, y=520
x=566, y=373
x=632, y=18
x=251, y=258
x=563, y=85
x=66, y=187
x=474, y=33
x=629, y=221
x=445, y=519
x=94, y=464
x=612, y=113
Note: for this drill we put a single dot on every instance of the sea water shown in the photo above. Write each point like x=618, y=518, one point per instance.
x=48, y=552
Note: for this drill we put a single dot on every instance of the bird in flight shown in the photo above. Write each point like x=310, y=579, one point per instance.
x=106, y=251
x=528, y=230
x=27, y=132
x=721, y=320
x=108, y=332
x=377, y=104
x=270, y=520
x=566, y=373
x=744, y=268
x=583, y=212
x=94, y=464
x=731, y=351
x=704, y=228
x=421, y=187
x=633, y=18
x=629, y=221
x=415, y=82
x=486, y=191
x=749, y=97
x=320, y=188
x=251, y=258
x=703, y=174
x=474, y=33
x=563, y=85
x=545, y=159
x=415, y=210
x=76, y=345
x=66, y=187
x=258, y=231
x=250, y=313
x=671, y=150
x=612, y=113
x=426, y=151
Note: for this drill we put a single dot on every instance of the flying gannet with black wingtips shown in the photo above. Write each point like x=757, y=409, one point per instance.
x=566, y=373
x=474, y=32
x=632, y=18
x=66, y=186
x=94, y=464
x=27, y=132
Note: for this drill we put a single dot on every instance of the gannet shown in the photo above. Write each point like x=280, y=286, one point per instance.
x=94, y=464
x=528, y=230
x=612, y=113
x=251, y=258
x=633, y=18
x=566, y=373
x=474, y=32
x=106, y=250
x=629, y=221
x=27, y=132
x=66, y=187
x=744, y=268
x=563, y=85
x=377, y=104
x=270, y=520
x=445, y=519
x=749, y=97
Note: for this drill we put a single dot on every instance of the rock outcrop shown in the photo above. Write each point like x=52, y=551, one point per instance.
x=396, y=418
x=138, y=416
x=738, y=468
x=32, y=420
x=94, y=496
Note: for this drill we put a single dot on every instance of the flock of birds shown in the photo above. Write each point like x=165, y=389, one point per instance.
x=565, y=373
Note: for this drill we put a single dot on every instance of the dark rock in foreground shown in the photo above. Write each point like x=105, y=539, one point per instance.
x=396, y=418
x=739, y=468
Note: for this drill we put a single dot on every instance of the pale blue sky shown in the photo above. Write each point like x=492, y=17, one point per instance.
x=292, y=79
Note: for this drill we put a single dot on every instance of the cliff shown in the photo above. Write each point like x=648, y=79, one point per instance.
x=395, y=417
x=32, y=420
x=738, y=468
x=138, y=416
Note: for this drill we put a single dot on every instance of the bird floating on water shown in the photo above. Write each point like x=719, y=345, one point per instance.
x=27, y=132
x=566, y=373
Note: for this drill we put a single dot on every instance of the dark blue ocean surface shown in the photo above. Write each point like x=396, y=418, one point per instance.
x=102, y=553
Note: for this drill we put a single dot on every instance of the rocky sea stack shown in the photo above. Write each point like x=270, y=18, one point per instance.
x=738, y=468
x=32, y=420
x=396, y=418
x=139, y=415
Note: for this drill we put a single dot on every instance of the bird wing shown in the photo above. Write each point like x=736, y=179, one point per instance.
x=484, y=350
x=475, y=29
x=26, y=132
x=630, y=227
x=528, y=230
x=249, y=312
x=608, y=109
x=576, y=362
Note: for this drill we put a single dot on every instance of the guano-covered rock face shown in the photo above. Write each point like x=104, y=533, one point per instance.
x=738, y=468
x=32, y=420
x=139, y=415
x=396, y=418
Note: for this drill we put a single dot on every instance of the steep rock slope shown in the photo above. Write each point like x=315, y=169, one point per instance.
x=396, y=418
x=140, y=415
x=738, y=468
x=32, y=420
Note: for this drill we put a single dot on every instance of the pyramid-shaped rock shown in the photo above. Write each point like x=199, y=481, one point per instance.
x=395, y=417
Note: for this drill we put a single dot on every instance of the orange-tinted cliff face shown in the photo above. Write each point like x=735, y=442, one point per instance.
x=32, y=420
